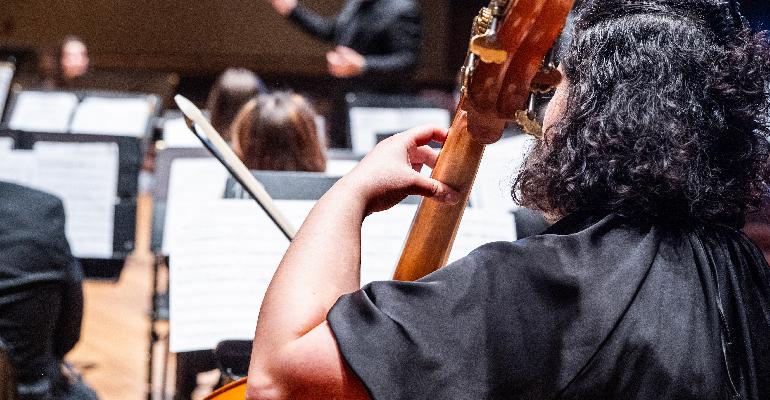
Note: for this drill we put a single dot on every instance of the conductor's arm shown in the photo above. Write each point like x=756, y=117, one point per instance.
x=295, y=354
x=321, y=27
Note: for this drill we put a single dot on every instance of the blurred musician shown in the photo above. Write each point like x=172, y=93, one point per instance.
x=66, y=67
x=234, y=88
x=277, y=132
x=41, y=295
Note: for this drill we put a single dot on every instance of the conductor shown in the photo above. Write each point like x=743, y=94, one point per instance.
x=376, y=40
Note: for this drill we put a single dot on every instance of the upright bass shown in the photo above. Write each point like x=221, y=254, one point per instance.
x=506, y=65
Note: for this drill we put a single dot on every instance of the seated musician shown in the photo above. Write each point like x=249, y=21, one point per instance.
x=277, y=132
x=274, y=132
x=654, y=150
x=233, y=88
x=41, y=295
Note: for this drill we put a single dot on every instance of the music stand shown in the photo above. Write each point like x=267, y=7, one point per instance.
x=371, y=114
x=124, y=220
x=159, y=296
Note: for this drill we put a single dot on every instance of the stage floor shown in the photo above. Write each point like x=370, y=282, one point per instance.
x=112, y=352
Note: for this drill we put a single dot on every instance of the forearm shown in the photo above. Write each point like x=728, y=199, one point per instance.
x=389, y=64
x=321, y=264
x=295, y=353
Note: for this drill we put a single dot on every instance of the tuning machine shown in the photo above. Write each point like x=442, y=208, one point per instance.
x=483, y=43
x=544, y=82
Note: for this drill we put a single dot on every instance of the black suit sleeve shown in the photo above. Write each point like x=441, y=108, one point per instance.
x=321, y=27
x=67, y=329
x=403, y=36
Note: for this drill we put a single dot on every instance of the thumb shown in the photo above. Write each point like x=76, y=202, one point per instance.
x=439, y=191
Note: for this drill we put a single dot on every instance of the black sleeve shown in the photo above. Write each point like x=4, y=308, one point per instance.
x=439, y=338
x=67, y=330
x=321, y=27
x=403, y=37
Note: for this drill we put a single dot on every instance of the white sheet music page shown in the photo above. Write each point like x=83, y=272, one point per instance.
x=501, y=163
x=85, y=177
x=18, y=166
x=367, y=122
x=191, y=181
x=6, y=144
x=224, y=253
x=112, y=116
x=177, y=134
x=43, y=111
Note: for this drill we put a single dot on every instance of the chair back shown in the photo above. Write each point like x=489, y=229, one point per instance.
x=7, y=374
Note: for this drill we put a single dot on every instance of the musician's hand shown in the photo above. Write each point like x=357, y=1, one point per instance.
x=284, y=7
x=390, y=172
x=344, y=62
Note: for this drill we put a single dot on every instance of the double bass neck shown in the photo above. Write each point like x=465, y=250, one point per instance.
x=435, y=224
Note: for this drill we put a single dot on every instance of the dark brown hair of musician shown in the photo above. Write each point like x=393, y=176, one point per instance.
x=277, y=132
x=230, y=92
x=665, y=117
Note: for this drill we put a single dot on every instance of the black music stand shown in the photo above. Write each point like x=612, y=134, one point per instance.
x=159, y=301
x=130, y=156
x=124, y=223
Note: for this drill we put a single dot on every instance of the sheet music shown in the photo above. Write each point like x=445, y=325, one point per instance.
x=177, y=134
x=85, y=177
x=497, y=171
x=18, y=166
x=367, y=122
x=339, y=167
x=6, y=144
x=112, y=116
x=191, y=181
x=43, y=111
x=224, y=253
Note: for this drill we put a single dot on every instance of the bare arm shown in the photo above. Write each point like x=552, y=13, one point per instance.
x=295, y=354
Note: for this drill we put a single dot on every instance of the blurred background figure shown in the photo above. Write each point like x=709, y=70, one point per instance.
x=41, y=295
x=375, y=39
x=74, y=58
x=65, y=66
x=277, y=132
x=232, y=89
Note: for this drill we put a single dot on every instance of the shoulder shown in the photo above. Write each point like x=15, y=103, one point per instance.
x=21, y=202
x=565, y=256
x=12, y=191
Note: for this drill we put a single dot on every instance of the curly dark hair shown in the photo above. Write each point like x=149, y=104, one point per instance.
x=665, y=116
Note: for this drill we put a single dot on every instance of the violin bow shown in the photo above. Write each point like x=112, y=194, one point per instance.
x=217, y=146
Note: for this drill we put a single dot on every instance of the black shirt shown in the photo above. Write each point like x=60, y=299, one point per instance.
x=41, y=299
x=386, y=32
x=594, y=308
